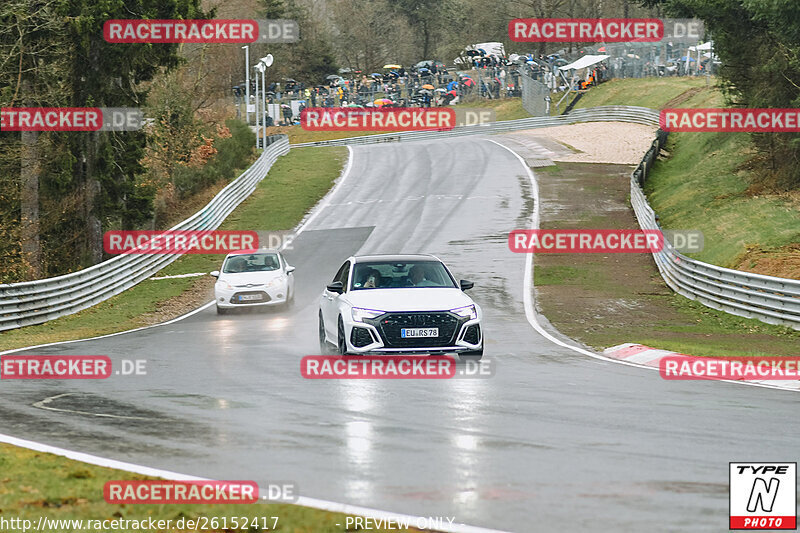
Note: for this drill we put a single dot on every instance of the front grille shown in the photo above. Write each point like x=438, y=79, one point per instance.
x=264, y=297
x=390, y=325
x=473, y=334
x=360, y=337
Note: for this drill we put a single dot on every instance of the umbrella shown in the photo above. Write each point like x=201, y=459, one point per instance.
x=376, y=75
x=440, y=90
x=291, y=79
x=428, y=86
x=468, y=82
x=332, y=76
x=383, y=101
x=684, y=58
x=353, y=104
x=392, y=66
x=601, y=49
x=466, y=76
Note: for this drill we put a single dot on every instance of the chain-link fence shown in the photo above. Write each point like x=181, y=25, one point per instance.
x=535, y=96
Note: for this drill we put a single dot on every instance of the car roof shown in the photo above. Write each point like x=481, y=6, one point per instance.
x=253, y=251
x=394, y=258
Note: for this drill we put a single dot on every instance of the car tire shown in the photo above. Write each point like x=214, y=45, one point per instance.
x=341, y=341
x=289, y=301
x=324, y=349
x=222, y=310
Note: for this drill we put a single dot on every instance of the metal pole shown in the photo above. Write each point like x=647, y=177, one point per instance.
x=264, y=107
x=247, y=87
x=257, y=129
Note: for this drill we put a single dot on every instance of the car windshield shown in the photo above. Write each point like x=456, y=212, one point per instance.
x=251, y=263
x=411, y=274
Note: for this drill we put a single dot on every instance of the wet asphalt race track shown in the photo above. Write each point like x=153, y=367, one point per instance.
x=553, y=441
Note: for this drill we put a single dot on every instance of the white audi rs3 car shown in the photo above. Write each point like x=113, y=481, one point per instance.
x=253, y=278
x=399, y=304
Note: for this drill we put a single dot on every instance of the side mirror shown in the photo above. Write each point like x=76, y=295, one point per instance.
x=466, y=285
x=214, y=273
x=289, y=269
x=336, y=287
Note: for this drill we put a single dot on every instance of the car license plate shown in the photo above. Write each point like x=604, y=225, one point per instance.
x=249, y=297
x=407, y=333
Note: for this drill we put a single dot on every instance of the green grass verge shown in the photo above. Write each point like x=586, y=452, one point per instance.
x=672, y=322
x=504, y=108
x=645, y=92
x=293, y=186
x=36, y=484
x=702, y=186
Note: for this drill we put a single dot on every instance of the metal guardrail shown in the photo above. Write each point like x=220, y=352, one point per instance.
x=767, y=298
x=36, y=302
x=639, y=115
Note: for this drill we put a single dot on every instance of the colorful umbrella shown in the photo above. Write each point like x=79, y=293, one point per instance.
x=392, y=66
x=428, y=86
x=383, y=101
x=468, y=82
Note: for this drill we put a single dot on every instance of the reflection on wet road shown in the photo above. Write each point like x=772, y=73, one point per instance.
x=553, y=441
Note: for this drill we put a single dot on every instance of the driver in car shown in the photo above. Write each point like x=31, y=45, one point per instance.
x=416, y=277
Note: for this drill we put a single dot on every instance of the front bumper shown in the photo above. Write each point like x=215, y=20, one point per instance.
x=381, y=335
x=269, y=296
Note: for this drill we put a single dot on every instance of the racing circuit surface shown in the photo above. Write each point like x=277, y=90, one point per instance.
x=554, y=441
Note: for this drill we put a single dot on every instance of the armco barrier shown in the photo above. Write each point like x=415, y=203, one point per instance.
x=639, y=115
x=35, y=302
x=769, y=299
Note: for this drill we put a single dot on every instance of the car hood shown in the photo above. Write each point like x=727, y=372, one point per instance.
x=414, y=299
x=254, y=278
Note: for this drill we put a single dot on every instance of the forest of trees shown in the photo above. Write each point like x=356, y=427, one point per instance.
x=60, y=191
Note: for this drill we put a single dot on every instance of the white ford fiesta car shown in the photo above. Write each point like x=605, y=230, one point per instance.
x=399, y=304
x=253, y=278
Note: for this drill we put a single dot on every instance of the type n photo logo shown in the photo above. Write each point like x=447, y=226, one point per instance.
x=763, y=496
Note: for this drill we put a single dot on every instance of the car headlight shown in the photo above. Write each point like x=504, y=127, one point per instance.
x=467, y=311
x=225, y=285
x=360, y=314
